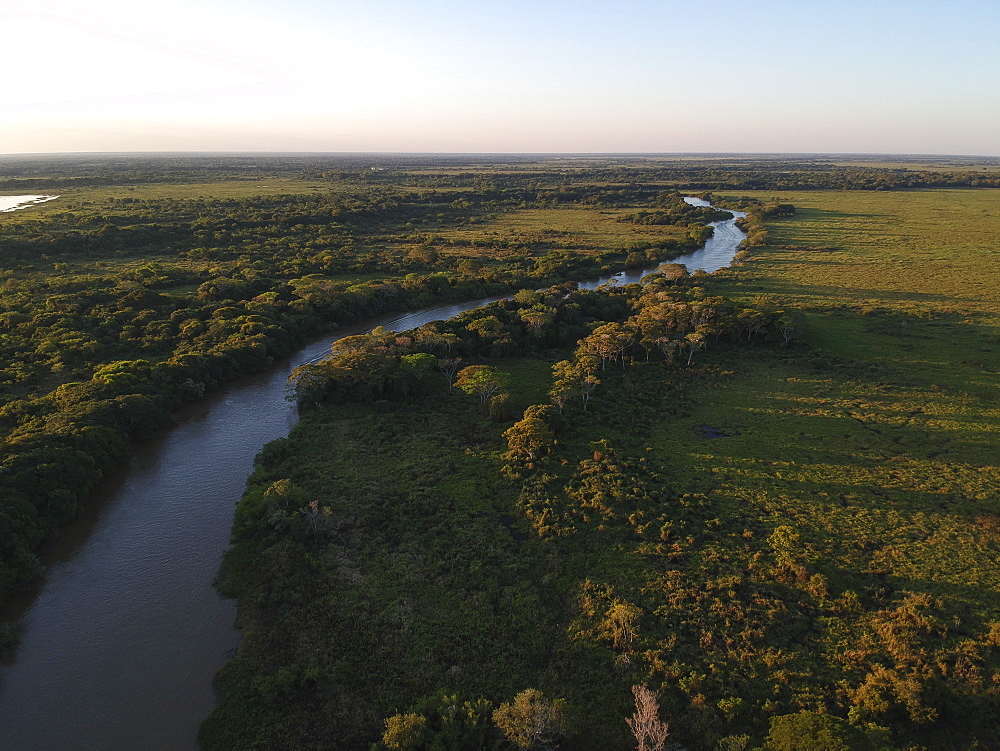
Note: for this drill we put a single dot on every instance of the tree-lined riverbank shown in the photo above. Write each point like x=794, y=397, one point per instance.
x=166, y=519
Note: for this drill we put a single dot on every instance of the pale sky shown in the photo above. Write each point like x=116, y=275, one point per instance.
x=873, y=76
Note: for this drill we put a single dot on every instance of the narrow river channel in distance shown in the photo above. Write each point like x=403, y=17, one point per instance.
x=122, y=637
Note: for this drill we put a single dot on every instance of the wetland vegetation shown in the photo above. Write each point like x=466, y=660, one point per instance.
x=716, y=511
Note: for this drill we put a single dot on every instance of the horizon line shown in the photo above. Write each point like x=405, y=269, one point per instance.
x=578, y=154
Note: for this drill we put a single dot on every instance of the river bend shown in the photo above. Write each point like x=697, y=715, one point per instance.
x=122, y=637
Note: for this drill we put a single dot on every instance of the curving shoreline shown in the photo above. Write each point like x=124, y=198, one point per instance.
x=15, y=203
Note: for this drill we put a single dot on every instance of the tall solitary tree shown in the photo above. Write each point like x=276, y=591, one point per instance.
x=529, y=438
x=649, y=730
x=449, y=366
x=482, y=380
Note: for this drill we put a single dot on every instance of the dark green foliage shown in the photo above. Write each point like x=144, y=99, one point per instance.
x=8, y=637
x=420, y=474
x=808, y=731
x=420, y=586
x=442, y=723
x=139, y=290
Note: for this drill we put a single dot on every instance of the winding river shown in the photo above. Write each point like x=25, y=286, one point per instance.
x=122, y=637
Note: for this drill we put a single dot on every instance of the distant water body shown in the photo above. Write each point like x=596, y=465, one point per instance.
x=123, y=635
x=13, y=203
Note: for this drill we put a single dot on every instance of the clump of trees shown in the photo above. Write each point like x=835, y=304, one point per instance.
x=530, y=721
x=668, y=319
x=670, y=208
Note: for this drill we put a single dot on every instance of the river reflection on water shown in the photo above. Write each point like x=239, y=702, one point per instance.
x=13, y=203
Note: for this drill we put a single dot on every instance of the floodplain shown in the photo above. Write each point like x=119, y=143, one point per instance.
x=779, y=509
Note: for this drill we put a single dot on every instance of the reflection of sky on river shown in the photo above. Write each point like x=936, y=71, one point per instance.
x=13, y=203
x=717, y=253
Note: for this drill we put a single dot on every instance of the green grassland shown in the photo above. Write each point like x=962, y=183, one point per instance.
x=588, y=230
x=812, y=527
x=916, y=250
x=877, y=441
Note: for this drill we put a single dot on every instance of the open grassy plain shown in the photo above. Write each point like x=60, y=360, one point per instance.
x=876, y=440
x=772, y=530
x=586, y=230
x=882, y=442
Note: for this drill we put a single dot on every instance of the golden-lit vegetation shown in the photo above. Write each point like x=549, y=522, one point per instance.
x=762, y=506
x=149, y=282
x=776, y=539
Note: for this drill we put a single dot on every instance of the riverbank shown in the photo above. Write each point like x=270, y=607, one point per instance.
x=71, y=408
x=426, y=571
x=104, y=656
x=133, y=658
x=851, y=500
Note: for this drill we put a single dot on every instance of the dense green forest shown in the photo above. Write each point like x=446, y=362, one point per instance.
x=119, y=303
x=757, y=509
